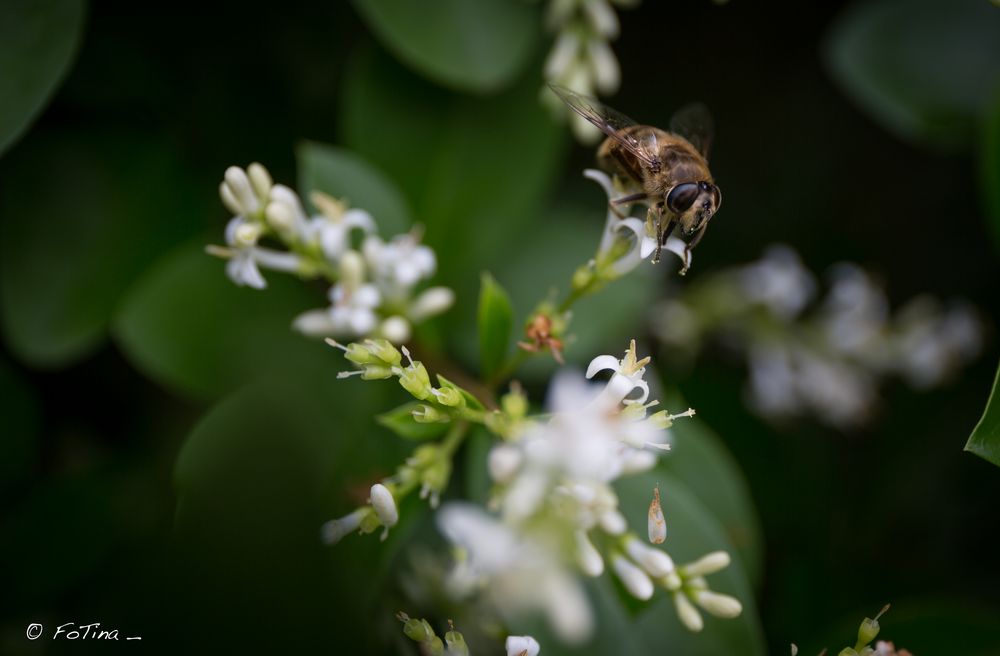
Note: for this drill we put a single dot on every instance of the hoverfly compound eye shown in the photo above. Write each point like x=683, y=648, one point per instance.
x=682, y=197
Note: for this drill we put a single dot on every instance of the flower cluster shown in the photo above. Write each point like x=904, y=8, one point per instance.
x=421, y=632
x=558, y=514
x=373, y=282
x=827, y=361
x=581, y=58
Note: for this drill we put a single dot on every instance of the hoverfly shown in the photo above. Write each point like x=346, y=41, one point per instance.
x=668, y=169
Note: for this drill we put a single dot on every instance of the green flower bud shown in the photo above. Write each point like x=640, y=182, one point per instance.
x=456, y=643
x=427, y=414
x=369, y=523
x=449, y=396
x=847, y=651
x=414, y=630
x=515, y=403
x=435, y=647
x=416, y=381
x=867, y=651
x=359, y=354
x=583, y=277
x=869, y=629
x=384, y=351
x=428, y=629
x=435, y=477
x=376, y=372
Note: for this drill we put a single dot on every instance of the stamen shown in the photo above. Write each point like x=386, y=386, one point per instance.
x=348, y=374
x=334, y=343
x=690, y=412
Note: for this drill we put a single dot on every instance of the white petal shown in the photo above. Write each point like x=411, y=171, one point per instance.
x=367, y=296
x=602, y=362
x=396, y=329
x=315, y=323
x=601, y=178
x=431, y=302
x=504, y=462
x=362, y=321
x=357, y=218
x=517, y=645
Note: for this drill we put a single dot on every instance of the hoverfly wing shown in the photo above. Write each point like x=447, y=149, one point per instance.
x=694, y=123
x=612, y=123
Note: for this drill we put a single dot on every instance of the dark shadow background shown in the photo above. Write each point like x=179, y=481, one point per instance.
x=894, y=513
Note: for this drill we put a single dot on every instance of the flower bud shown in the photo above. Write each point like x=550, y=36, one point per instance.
x=435, y=479
x=247, y=234
x=434, y=646
x=260, y=180
x=455, y=642
x=384, y=505
x=427, y=414
x=867, y=651
x=847, y=651
x=448, y=396
x=376, y=372
x=707, y=564
x=431, y=302
x=869, y=628
x=239, y=184
x=384, y=351
x=717, y=604
x=612, y=522
x=583, y=277
x=396, y=329
x=654, y=561
x=634, y=579
x=416, y=381
x=229, y=199
x=414, y=630
x=515, y=403
x=688, y=614
x=335, y=529
x=587, y=555
x=522, y=645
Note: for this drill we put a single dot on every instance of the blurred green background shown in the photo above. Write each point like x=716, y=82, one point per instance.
x=170, y=447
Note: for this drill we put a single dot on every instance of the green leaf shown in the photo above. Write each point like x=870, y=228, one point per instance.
x=472, y=46
x=38, y=40
x=188, y=327
x=256, y=479
x=401, y=422
x=474, y=170
x=495, y=318
x=82, y=217
x=989, y=168
x=985, y=439
x=699, y=459
x=925, y=69
x=343, y=174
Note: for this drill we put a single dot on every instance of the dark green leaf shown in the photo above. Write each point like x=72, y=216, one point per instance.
x=82, y=217
x=495, y=318
x=256, y=480
x=477, y=476
x=345, y=175
x=38, y=40
x=474, y=46
x=400, y=421
x=985, y=439
x=474, y=170
x=924, y=68
x=187, y=326
x=700, y=460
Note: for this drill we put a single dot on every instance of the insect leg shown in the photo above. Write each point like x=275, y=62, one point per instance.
x=690, y=247
x=668, y=231
x=656, y=214
x=631, y=198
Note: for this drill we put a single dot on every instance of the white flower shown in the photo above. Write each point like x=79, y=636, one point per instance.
x=245, y=258
x=639, y=236
x=516, y=572
x=855, y=310
x=627, y=377
x=779, y=281
x=399, y=264
x=333, y=227
x=522, y=646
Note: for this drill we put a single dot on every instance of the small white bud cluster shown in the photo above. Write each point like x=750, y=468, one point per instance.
x=373, y=290
x=581, y=58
